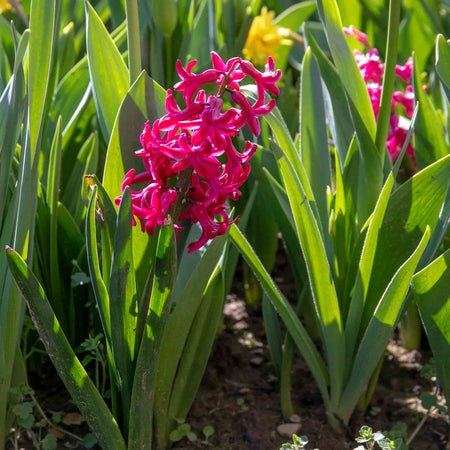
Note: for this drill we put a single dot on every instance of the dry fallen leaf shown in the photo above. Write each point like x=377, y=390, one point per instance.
x=73, y=418
x=58, y=434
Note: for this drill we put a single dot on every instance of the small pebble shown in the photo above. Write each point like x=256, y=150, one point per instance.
x=288, y=429
x=295, y=418
x=241, y=325
x=256, y=361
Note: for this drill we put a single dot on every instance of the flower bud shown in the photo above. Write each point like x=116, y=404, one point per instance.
x=165, y=16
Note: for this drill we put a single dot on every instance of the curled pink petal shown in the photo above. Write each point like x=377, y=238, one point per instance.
x=358, y=35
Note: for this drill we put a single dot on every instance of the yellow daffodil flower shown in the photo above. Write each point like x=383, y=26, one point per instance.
x=4, y=6
x=264, y=38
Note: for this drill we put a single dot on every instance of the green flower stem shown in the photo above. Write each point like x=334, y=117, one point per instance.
x=388, y=77
x=133, y=39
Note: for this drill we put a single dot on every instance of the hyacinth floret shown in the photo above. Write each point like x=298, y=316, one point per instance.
x=191, y=165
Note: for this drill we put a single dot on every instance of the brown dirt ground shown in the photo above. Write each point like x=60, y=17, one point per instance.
x=239, y=393
x=251, y=425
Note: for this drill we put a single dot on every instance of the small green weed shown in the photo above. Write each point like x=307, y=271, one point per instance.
x=184, y=430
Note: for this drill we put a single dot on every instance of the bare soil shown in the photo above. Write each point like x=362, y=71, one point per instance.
x=239, y=393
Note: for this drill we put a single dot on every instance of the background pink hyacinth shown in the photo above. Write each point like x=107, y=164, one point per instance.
x=191, y=164
x=372, y=69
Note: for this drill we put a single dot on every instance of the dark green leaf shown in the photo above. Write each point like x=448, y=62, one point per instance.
x=108, y=72
x=140, y=435
x=123, y=302
x=429, y=137
x=432, y=295
x=314, y=137
x=75, y=378
x=443, y=63
x=413, y=206
x=40, y=51
x=378, y=331
x=144, y=101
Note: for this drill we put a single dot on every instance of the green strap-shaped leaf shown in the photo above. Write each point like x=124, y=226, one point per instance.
x=98, y=285
x=432, y=295
x=319, y=273
x=42, y=27
x=284, y=140
x=287, y=314
x=314, y=137
x=429, y=136
x=443, y=63
x=21, y=50
x=439, y=233
x=73, y=94
x=412, y=206
x=69, y=235
x=398, y=161
x=83, y=392
x=108, y=216
x=279, y=204
x=361, y=285
x=347, y=119
x=339, y=118
x=70, y=98
x=342, y=224
x=370, y=168
x=123, y=303
x=142, y=400
x=108, y=71
x=144, y=101
x=379, y=330
x=85, y=163
x=117, y=11
x=198, y=348
x=177, y=330
x=345, y=63
x=12, y=109
x=273, y=333
x=418, y=32
x=389, y=75
x=53, y=188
